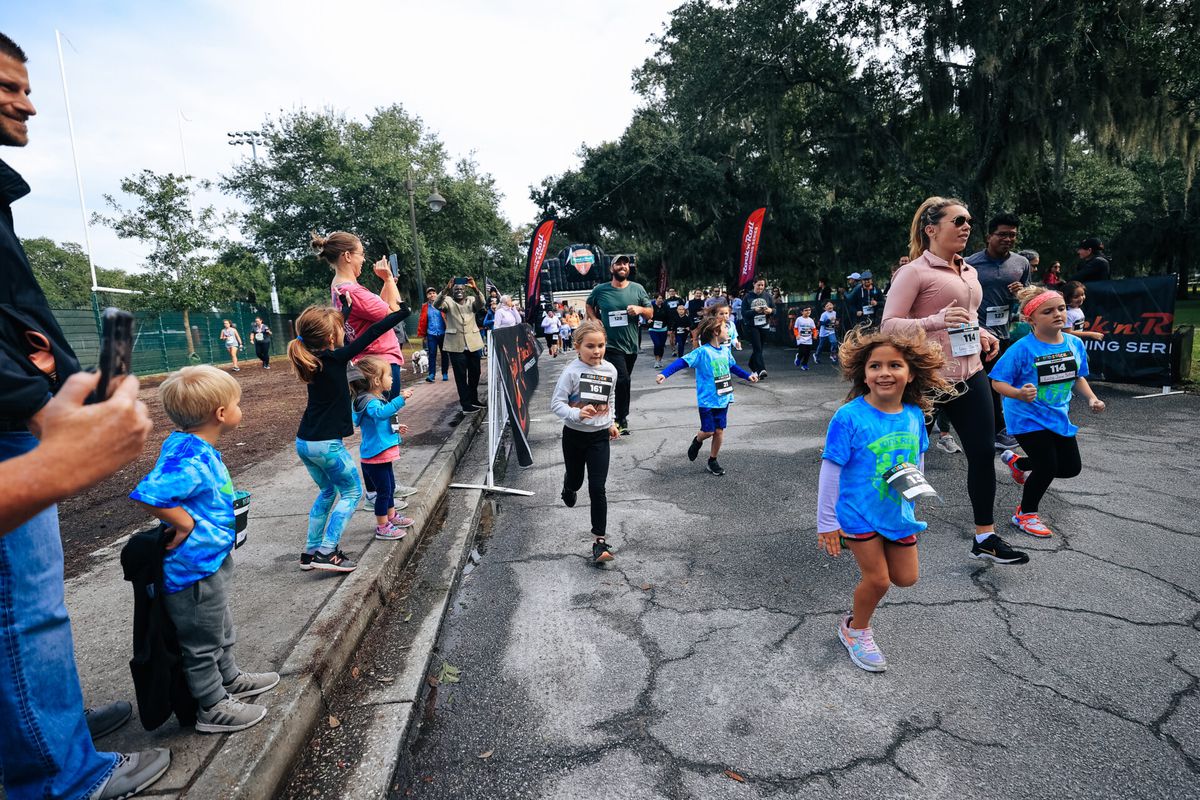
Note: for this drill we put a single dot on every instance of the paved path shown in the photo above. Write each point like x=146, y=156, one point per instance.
x=709, y=645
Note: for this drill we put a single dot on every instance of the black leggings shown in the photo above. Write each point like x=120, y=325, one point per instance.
x=804, y=351
x=588, y=449
x=263, y=351
x=757, y=364
x=624, y=363
x=1047, y=456
x=659, y=338
x=971, y=415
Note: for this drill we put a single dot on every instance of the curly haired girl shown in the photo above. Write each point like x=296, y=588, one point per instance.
x=871, y=472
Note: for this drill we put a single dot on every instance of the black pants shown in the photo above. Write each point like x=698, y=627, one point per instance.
x=588, y=449
x=756, y=337
x=624, y=363
x=971, y=415
x=804, y=351
x=263, y=351
x=384, y=480
x=466, y=377
x=389, y=395
x=681, y=340
x=1048, y=456
x=997, y=406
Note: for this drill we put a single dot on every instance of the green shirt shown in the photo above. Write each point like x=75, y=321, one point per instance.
x=610, y=303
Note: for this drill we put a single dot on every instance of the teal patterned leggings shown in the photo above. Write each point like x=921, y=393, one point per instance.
x=332, y=468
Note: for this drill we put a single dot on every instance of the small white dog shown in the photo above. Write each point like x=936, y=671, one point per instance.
x=420, y=362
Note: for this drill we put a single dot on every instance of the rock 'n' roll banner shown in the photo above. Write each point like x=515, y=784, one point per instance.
x=663, y=278
x=515, y=352
x=539, y=244
x=1136, y=316
x=751, y=234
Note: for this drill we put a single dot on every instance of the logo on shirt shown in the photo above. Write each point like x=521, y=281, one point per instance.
x=889, y=451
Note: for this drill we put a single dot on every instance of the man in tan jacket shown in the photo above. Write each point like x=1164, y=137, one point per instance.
x=463, y=342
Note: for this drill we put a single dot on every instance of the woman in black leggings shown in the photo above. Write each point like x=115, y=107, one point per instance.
x=939, y=294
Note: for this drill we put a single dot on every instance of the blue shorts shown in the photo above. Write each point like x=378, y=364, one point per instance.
x=713, y=419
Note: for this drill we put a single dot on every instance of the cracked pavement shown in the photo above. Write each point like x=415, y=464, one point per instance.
x=706, y=652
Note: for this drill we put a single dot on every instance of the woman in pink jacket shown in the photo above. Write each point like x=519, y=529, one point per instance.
x=939, y=293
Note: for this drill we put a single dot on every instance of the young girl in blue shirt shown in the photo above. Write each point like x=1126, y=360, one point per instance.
x=380, y=447
x=1047, y=366
x=715, y=367
x=879, y=434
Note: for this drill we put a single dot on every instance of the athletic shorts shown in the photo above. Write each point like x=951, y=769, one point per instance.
x=713, y=419
x=907, y=541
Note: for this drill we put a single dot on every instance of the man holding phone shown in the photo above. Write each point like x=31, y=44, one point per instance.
x=459, y=302
x=52, y=446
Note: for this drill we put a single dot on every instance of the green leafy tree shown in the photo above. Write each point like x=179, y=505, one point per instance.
x=181, y=239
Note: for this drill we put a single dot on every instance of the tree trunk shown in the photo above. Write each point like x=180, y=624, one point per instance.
x=187, y=331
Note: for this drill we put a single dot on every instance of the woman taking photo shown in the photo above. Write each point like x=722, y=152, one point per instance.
x=507, y=315
x=939, y=293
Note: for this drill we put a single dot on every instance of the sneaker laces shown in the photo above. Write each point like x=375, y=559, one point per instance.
x=866, y=638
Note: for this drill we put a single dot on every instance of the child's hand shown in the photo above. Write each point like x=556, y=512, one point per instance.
x=737, y=345
x=1096, y=405
x=1097, y=335
x=1027, y=393
x=589, y=411
x=402, y=429
x=660, y=378
x=830, y=542
x=406, y=394
x=754, y=377
x=614, y=433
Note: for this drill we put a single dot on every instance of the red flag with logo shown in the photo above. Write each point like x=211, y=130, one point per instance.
x=539, y=244
x=663, y=278
x=751, y=234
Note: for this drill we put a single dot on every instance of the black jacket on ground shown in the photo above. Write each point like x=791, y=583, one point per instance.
x=24, y=389
x=157, y=664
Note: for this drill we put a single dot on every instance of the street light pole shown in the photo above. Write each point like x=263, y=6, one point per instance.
x=412, y=218
x=255, y=138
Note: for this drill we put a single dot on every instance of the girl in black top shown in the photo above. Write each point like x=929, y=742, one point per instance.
x=320, y=357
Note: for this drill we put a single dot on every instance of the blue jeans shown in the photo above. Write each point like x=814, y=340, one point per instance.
x=829, y=343
x=45, y=747
x=332, y=469
x=434, y=341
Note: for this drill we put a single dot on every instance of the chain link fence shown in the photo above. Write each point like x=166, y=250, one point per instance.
x=161, y=338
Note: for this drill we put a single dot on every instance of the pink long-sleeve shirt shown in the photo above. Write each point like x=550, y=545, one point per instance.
x=920, y=292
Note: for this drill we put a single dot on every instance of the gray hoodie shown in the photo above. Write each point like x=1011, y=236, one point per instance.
x=568, y=390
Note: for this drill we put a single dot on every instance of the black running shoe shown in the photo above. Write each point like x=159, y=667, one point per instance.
x=693, y=449
x=993, y=548
x=623, y=427
x=568, y=498
x=333, y=562
x=306, y=561
x=600, y=552
x=714, y=467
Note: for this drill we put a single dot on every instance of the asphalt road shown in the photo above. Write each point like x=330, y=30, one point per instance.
x=703, y=663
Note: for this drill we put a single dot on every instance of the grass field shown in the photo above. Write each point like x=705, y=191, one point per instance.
x=1187, y=312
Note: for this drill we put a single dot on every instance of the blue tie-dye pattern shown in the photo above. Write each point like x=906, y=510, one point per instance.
x=332, y=468
x=190, y=475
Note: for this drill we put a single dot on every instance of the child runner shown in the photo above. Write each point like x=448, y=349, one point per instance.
x=713, y=362
x=827, y=334
x=190, y=490
x=1045, y=365
x=658, y=328
x=1074, y=293
x=583, y=399
x=380, y=444
x=683, y=330
x=804, y=328
x=878, y=432
x=722, y=310
x=320, y=356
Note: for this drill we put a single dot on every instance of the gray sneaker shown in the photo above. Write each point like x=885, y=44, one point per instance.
x=104, y=720
x=249, y=684
x=947, y=444
x=134, y=772
x=229, y=715
x=404, y=491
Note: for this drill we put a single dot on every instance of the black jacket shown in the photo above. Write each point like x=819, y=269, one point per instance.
x=1095, y=268
x=157, y=664
x=24, y=389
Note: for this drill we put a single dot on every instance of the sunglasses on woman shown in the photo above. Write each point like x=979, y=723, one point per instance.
x=960, y=220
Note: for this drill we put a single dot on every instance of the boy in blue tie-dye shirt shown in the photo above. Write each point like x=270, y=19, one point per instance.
x=190, y=490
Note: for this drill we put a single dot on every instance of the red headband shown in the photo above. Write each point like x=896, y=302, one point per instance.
x=1036, y=302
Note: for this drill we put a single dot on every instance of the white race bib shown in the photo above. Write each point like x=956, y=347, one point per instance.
x=868, y=310
x=658, y=325
x=760, y=320
x=595, y=388
x=258, y=337
x=964, y=341
x=995, y=316
x=618, y=319
x=908, y=481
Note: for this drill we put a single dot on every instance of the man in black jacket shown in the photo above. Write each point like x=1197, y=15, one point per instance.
x=1093, y=266
x=51, y=447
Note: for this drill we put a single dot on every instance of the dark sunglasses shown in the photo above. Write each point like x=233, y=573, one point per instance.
x=960, y=220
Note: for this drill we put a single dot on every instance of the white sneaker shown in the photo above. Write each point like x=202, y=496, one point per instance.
x=229, y=715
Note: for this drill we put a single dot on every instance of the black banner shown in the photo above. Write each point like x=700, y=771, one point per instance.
x=516, y=352
x=1136, y=316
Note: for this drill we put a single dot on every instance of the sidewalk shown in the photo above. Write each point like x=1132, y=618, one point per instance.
x=301, y=624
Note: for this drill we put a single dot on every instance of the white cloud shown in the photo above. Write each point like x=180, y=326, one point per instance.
x=520, y=84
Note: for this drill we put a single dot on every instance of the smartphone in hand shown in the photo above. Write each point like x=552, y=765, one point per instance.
x=394, y=263
x=116, y=351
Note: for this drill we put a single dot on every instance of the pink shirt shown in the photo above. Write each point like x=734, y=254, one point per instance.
x=920, y=292
x=366, y=308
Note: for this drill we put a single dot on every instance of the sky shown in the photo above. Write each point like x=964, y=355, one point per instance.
x=519, y=84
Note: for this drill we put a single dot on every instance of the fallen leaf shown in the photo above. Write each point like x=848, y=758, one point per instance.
x=486, y=753
x=646, y=587
x=354, y=673
x=448, y=673
x=408, y=616
x=734, y=776
x=334, y=721
x=385, y=679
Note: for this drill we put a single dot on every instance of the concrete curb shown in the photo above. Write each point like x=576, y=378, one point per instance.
x=255, y=763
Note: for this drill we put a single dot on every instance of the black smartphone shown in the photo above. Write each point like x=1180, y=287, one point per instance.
x=394, y=263
x=460, y=281
x=116, y=351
